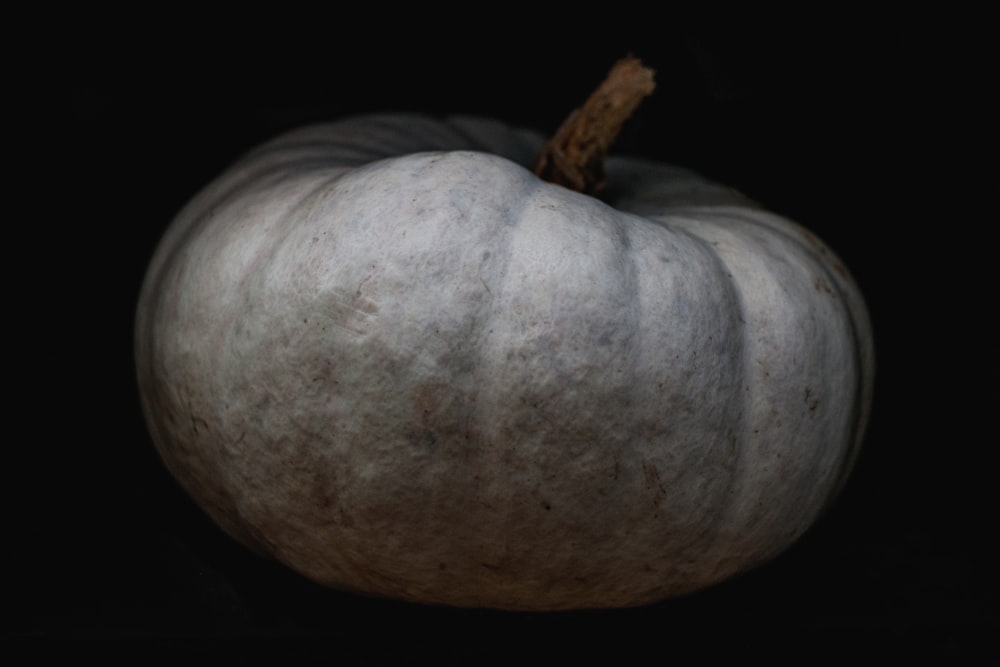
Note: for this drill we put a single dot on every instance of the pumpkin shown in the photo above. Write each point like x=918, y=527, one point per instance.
x=385, y=353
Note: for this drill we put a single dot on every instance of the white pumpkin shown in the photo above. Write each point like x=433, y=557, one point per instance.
x=385, y=353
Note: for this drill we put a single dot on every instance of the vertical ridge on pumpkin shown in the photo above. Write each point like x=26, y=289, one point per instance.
x=794, y=405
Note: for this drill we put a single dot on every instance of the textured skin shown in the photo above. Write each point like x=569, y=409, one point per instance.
x=434, y=377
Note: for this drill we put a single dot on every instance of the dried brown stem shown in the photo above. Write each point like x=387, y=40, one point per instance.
x=574, y=156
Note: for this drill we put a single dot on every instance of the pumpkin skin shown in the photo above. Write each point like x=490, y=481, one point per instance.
x=384, y=353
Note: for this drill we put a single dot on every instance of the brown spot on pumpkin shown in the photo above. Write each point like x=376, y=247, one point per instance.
x=809, y=399
x=653, y=481
x=822, y=286
x=423, y=440
x=198, y=424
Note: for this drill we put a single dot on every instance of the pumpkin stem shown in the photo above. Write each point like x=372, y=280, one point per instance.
x=574, y=156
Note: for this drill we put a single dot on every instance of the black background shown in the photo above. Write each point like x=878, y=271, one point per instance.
x=865, y=130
